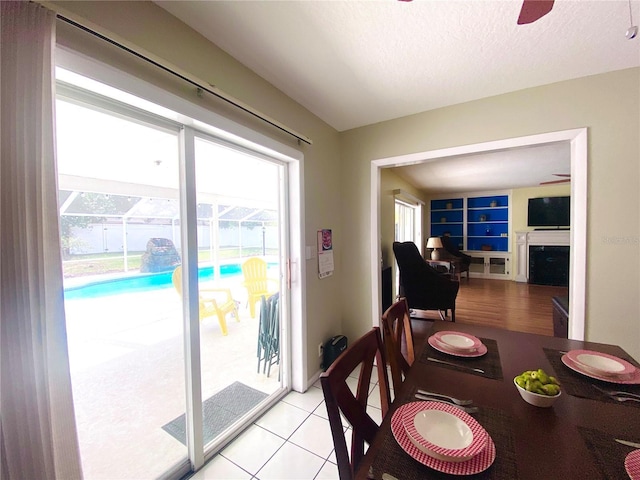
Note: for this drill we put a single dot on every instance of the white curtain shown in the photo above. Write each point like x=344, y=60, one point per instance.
x=37, y=423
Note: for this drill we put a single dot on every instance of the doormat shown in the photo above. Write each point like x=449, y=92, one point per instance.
x=219, y=411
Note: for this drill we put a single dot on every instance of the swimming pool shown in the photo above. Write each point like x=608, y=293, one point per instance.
x=144, y=282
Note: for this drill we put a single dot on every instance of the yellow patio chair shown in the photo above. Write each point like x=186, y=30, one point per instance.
x=257, y=283
x=213, y=301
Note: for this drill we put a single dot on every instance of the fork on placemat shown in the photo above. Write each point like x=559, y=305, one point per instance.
x=616, y=393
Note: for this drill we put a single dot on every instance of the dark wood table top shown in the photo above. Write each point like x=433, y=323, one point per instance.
x=572, y=439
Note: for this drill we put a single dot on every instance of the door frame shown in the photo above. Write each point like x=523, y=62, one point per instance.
x=578, y=233
x=209, y=122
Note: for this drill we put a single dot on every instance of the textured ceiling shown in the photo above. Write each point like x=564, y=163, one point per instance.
x=355, y=63
x=496, y=170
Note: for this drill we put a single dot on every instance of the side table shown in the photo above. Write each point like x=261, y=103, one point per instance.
x=452, y=267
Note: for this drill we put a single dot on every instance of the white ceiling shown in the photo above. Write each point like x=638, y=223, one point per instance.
x=355, y=63
x=496, y=170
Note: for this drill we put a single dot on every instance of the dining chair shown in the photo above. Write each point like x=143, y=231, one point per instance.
x=398, y=341
x=269, y=334
x=257, y=283
x=365, y=352
x=211, y=301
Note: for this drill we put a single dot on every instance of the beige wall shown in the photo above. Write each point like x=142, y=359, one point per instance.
x=390, y=181
x=608, y=105
x=152, y=28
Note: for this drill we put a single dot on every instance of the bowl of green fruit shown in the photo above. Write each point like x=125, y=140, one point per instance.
x=537, y=388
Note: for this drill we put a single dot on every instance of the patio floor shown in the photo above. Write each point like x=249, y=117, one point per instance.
x=127, y=368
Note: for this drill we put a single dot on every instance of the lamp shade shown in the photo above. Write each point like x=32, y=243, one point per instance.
x=434, y=242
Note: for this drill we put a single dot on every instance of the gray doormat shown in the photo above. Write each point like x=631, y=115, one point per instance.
x=219, y=411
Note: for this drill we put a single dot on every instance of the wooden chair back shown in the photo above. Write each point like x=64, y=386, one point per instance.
x=364, y=352
x=398, y=341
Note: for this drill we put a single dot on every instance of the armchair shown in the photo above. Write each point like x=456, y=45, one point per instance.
x=423, y=287
x=451, y=250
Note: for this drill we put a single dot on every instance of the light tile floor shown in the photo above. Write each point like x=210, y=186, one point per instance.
x=291, y=441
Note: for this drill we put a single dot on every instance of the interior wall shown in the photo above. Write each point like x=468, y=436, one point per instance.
x=153, y=29
x=390, y=181
x=608, y=105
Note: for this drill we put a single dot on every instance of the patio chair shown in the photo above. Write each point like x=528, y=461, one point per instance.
x=339, y=398
x=398, y=341
x=269, y=334
x=212, y=301
x=257, y=283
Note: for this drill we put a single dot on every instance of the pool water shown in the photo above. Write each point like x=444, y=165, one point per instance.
x=143, y=282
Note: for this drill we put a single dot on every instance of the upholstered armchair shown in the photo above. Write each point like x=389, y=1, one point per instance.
x=451, y=250
x=423, y=286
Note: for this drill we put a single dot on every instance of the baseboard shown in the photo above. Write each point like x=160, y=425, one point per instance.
x=313, y=379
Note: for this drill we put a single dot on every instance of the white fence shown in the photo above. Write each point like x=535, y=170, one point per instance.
x=108, y=237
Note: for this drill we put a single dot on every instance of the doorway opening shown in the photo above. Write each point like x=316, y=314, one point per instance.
x=577, y=140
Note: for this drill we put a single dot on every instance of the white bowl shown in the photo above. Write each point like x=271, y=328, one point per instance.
x=535, y=398
x=600, y=365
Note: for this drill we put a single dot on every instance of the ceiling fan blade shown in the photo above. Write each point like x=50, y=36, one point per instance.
x=533, y=10
x=562, y=175
x=564, y=180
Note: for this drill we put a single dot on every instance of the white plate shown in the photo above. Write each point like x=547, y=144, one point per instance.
x=458, y=341
x=443, y=431
x=631, y=379
x=441, y=347
x=600, y=363
x=478, y=463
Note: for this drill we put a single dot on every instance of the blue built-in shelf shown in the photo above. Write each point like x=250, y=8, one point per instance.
x=475, y=222
x=447, y=204
x=447, y=217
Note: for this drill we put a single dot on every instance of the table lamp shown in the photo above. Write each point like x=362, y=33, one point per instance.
x=434, y=243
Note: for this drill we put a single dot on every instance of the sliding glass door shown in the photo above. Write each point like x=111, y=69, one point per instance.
x=143, y=379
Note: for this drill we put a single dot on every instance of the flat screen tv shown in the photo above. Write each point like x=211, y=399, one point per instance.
x=549, y=212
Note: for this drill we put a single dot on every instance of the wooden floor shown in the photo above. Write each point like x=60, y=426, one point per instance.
x=503, y=304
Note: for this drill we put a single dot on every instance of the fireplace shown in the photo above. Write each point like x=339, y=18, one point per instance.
x=542, y=257
x=549, y=265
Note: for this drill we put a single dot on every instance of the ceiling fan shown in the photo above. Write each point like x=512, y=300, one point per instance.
x=533, y=10
x=567, y=178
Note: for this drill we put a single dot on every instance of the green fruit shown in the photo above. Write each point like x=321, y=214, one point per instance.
x=538, y=381
x=544, y=378
x=533, y=385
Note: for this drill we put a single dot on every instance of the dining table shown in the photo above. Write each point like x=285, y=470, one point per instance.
x=572, y=439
